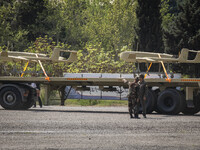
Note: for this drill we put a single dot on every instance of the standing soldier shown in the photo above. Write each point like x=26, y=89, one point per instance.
x=143, y=90
x=37, y=87
x=133, y=97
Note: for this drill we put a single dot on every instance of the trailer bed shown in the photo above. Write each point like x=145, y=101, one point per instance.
x=82, y=81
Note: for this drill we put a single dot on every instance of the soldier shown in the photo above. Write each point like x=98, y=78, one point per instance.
x=37, y=87
x=143, y=90
x=133, y=100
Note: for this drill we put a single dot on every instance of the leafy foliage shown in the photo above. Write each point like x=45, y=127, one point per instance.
x=184, y=32
x=148, y=28
x=11, y=35
x=110, y=23
x=95, y=60
x=98, y=29
x=168, y=12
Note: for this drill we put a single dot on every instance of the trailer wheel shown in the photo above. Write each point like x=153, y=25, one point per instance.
x=170, y=102
x=196, y=109
x=183, y=101
x=150, y=102
x=10, y=98
x=156, y=92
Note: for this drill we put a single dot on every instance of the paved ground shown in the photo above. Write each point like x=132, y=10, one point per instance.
x=103, y=128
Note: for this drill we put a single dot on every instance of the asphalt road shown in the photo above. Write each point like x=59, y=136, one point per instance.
x=103, y=128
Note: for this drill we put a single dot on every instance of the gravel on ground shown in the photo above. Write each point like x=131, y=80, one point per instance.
x=103, y=128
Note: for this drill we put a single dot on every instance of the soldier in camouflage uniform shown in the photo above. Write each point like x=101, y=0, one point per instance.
x=133, y=100
x=142, y=94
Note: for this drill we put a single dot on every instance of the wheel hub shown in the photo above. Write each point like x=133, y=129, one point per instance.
x=9, y=98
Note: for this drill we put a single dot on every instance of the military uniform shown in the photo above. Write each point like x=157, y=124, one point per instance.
x=143, y=90
x=37, y=87
x=132, y=99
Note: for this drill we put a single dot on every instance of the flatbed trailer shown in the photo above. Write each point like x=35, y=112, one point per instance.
x=65, y=81
x=165, y=99
x=16, y=93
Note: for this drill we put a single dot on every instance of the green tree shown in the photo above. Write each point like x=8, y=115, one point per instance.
x=11, y=35
x=62, y=20
x=94, y=60
x=24, y=21
x=110, y=23
x=148, y=28
x=184, y=32
x=168, y=12
x=27, y=14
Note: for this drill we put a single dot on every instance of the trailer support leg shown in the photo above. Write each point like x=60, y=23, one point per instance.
x=62, y=95
x=47, y=94
x=189, y=97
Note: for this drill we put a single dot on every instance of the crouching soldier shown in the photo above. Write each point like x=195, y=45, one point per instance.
x=133, y=101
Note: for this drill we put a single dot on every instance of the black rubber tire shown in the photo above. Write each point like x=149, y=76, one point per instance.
x=183, y=102
x=170, y=102
x=150, y=102
x=196, y=109
x=156, y=93
x=10, y=98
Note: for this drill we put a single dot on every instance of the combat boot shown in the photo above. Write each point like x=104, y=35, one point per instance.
x=144, y=116
x=136, y=116
x=131, y=116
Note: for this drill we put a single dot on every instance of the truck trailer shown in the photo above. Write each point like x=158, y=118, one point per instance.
x=171, y=96
x=166, y=99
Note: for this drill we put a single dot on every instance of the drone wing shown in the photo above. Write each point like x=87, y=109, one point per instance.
x=58, y=55
x=5, y=56
x=144, y=57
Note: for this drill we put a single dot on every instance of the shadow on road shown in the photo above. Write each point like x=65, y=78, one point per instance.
x=96, y=111
x=105, y=112
x=78, y=111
